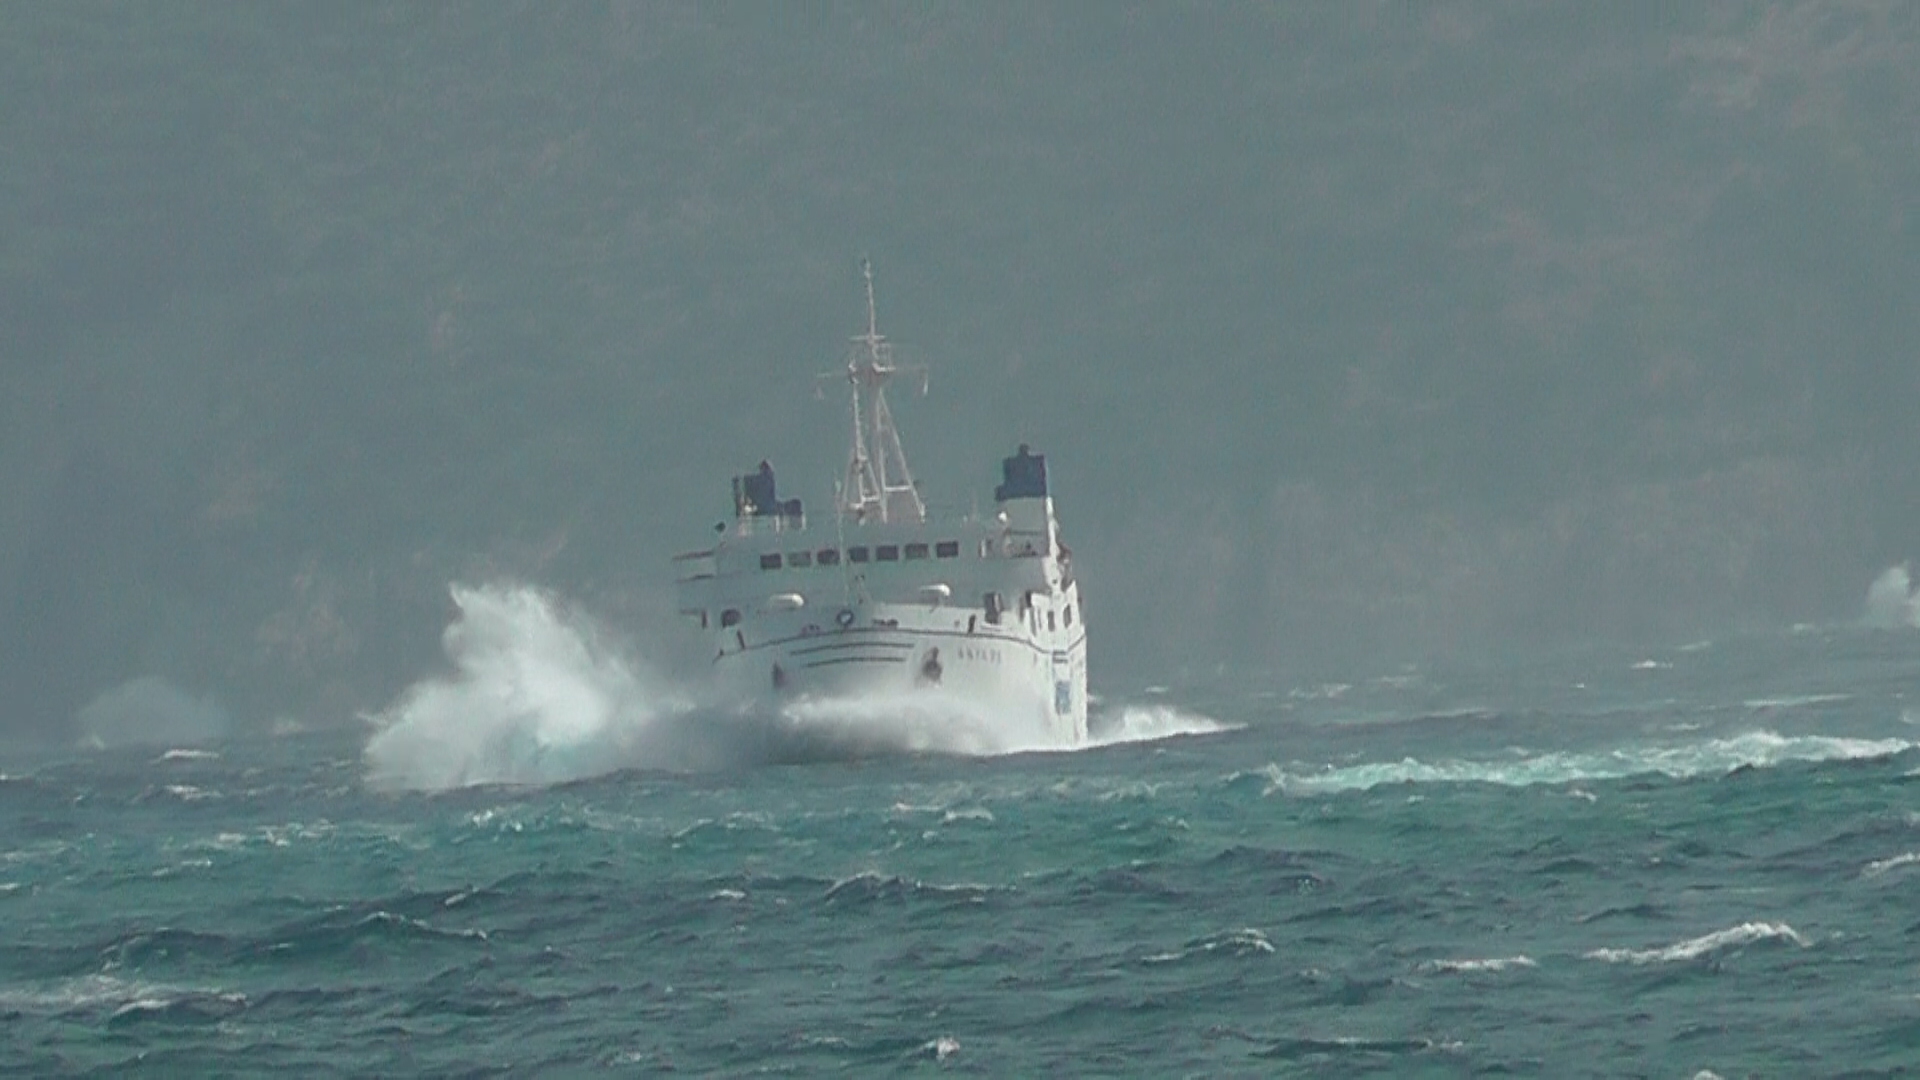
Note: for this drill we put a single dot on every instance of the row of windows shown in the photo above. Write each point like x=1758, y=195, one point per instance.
x=994, y=603
x=859, y=553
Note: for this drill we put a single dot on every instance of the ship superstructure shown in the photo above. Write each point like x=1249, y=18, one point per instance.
x=886, y=598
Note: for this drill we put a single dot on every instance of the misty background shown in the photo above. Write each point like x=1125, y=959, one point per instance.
x=1355, y=333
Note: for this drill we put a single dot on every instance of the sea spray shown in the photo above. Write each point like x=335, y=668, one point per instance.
x=1150, y=723
x=542, y=693
x=1891, y=601
x=149, y=711
x=538, y=694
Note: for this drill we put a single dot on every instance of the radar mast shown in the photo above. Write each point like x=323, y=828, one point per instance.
x=879, y=486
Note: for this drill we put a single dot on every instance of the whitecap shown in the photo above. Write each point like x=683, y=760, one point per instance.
x=1151, y=723
x=1324, y=692
x=1796, y=701
x=1470, y=967
x=1881, y=866
x=1243, y=942
x=1757, y=749
x=1693, y=948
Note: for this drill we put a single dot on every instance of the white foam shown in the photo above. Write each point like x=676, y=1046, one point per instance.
x=1881, y=866
x=1758, y=749
x=1470, y=967
x=538, y=695
x=1151, y=723
x=1693, y=948
x=187, y=755
x=919, y=721
x=1243, y=942
x=1795, y=701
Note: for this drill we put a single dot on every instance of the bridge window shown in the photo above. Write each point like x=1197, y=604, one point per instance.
x=1069, y=614
x=799, y=558
x=916, y=551
x=887, y=553
x=857, y=553
x=828, y=557
x=947, y=549
x=770, y=561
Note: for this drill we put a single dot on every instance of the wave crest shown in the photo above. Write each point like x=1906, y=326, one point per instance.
x=1732, y=937
x=1758, y=749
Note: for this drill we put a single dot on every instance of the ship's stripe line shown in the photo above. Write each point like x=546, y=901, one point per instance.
x=856, y=660
x=846, y=645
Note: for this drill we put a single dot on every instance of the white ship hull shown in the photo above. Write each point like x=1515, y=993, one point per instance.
x=986, y=612
x=884, y=602
x=1034, y=683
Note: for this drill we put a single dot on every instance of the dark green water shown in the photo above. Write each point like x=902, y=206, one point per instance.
x=1610, y=864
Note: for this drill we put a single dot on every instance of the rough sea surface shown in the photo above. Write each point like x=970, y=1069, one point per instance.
x=1696, y=859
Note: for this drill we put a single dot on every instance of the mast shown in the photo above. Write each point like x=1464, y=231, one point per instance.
x=879, y=485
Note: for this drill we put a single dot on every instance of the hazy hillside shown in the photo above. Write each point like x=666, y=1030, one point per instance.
x=1356, y=332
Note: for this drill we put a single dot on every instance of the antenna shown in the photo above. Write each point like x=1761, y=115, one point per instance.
x=879, y=485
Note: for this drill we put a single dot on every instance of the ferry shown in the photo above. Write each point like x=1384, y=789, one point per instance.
x=886, y=599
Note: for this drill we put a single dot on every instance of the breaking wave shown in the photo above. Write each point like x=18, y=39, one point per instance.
x=1758, y=749
x=1150, y=723
x=538, y=694
x=1733, y=937
x=541, y=693
x=1478, y=967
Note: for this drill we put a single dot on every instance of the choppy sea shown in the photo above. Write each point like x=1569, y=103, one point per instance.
x=1698, y=860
